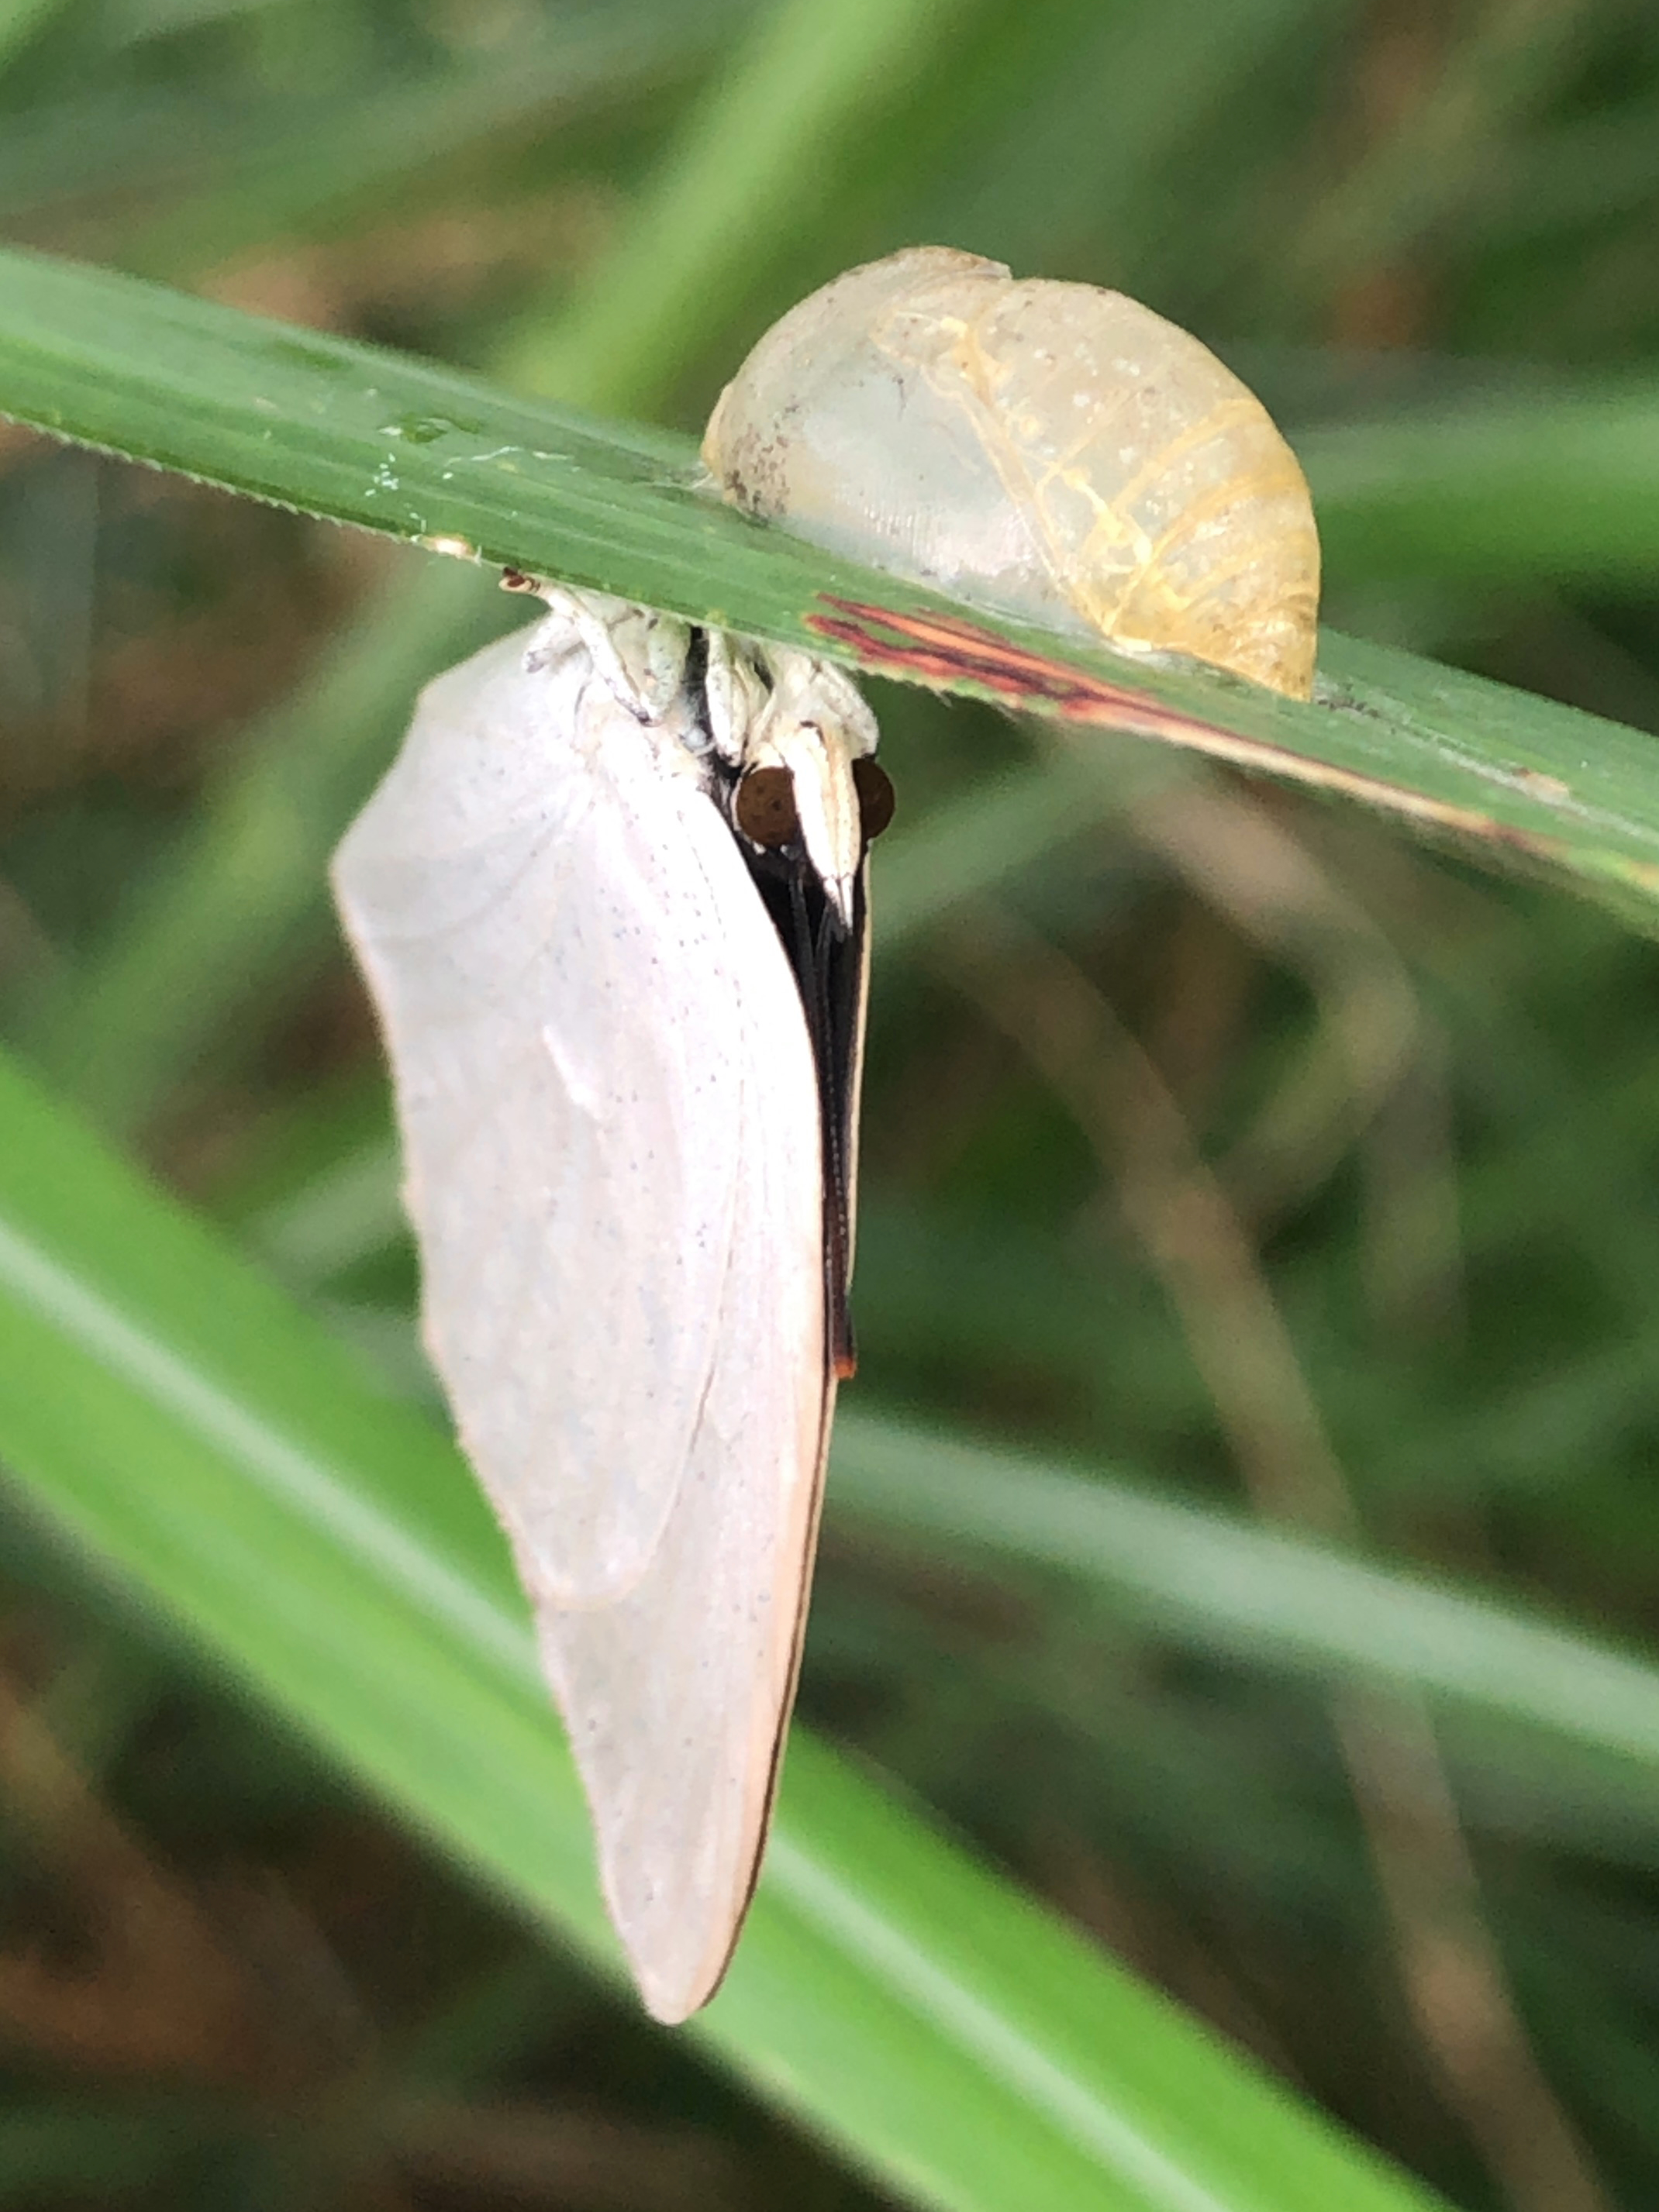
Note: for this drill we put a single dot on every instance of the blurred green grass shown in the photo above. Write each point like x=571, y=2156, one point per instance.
x=1417, y=1098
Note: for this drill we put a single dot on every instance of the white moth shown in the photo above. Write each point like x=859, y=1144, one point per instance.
x=610, y=903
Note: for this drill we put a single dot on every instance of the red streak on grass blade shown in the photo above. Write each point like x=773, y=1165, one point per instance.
x=943, y=650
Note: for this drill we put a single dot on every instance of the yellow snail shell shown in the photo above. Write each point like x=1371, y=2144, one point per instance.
x=1056, y=451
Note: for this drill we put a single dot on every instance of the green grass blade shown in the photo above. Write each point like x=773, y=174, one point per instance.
x=746, y=175
x=301, y=167
x=237, y=913
x=21, y=21
x=1550, y=484
x=392, y=444
x=1192, y=1574
x=1215, y=1581
x=199, y=173
x=167, y=1405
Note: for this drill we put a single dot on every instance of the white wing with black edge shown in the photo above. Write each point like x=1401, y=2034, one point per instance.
x=611, y=1119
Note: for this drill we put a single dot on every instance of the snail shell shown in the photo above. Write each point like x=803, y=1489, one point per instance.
x=1058, y=451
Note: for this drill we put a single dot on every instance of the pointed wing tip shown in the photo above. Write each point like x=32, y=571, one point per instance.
x=671, y=2000
x=672, y=2008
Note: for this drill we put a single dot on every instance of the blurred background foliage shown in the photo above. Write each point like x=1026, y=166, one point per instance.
x=1232, y=1141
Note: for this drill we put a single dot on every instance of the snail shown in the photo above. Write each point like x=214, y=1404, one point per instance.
x=1053, y=451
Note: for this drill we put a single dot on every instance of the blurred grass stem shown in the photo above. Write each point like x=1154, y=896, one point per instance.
x=746, y=173
x=1177, y=1209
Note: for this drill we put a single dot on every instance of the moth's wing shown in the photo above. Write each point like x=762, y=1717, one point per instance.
x=610, y=1115
x=554, y=992
x=679, y=1692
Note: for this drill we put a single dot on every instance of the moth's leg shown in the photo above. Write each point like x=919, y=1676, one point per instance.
x=638, y=654
x=737, y=689
x=554, y=639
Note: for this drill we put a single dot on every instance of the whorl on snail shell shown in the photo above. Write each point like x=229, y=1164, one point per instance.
x=1056, y=451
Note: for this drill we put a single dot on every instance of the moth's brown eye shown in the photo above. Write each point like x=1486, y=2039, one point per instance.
x=765, y=806
x=875, y=789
